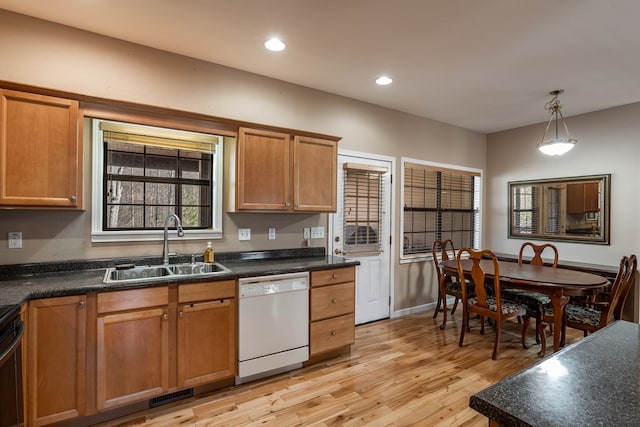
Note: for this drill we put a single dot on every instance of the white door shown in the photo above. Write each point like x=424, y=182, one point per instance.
x=361, y=227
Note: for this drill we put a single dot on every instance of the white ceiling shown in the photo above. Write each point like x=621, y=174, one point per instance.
x=485, y=65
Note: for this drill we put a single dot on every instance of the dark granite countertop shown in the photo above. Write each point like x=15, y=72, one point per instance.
x=20, y=283
x=593, y=382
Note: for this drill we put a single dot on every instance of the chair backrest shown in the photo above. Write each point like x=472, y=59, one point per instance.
x=442, y=247
x=623, y=283
x=537, y=253
x=483, y=289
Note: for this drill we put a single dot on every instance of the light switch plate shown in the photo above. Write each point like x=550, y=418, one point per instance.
x=15, y=239
x=244, y=234
x=272, y=234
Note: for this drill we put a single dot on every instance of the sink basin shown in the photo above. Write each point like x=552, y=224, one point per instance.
x=139, y=273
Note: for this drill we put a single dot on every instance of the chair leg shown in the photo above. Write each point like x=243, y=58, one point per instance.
x=444, y=312
x=540, y=326
x=481, y=325
x=494, y=356
x=435, y=312
x=525, y=327
x=455, y=305
x=465, y=321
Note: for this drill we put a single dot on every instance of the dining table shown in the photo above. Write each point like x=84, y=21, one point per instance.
x=558, y=283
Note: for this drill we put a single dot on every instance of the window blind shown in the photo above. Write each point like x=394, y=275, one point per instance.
x=363, y=208
x=439, y=203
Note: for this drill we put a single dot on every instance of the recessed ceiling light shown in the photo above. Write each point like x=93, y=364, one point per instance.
x=384, y=80
x=275, y=44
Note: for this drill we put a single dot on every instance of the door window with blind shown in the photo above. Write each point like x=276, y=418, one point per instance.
x=143, y=173
x=363, y=205
x=439, y=202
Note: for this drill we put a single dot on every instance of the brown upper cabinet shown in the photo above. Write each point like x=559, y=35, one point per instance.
x=40, y=151
x=582, y=197
x=275, y=171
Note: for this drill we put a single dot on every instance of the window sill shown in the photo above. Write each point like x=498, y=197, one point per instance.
x=152, y=235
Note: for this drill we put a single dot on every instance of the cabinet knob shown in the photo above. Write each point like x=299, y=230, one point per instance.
x=334, y=333
x=165, y=316
x=81, y=304
x=72, y=199
x=333, y=301
x=181, y=314
x=287, y=204
x=334, y=276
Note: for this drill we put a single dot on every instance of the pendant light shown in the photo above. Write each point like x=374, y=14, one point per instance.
x=556, y=146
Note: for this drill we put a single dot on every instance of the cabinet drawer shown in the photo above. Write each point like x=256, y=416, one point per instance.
x=332, y=301
x=207, y=291
x=333, y=276
x=132, y=299
x=333, y=333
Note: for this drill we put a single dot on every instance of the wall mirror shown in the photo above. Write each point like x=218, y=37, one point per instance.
x=563, y=209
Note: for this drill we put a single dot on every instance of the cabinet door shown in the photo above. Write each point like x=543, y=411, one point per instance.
x=40, y=151
x=206, y=342
x=591, y=197
x=575, y=198
x=132, y=356
x=263, y=171
x=56, y=359
x=314, y=174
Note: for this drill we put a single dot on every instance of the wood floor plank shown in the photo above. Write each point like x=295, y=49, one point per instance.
x=400, y=372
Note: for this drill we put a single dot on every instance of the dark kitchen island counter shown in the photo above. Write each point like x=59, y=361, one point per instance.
x=593, y=382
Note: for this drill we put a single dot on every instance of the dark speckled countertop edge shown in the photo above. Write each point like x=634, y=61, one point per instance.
x=23, y=282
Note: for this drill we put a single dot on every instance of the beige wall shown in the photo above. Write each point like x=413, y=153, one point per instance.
x=53, y=56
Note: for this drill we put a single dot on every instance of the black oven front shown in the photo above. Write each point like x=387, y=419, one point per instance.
x=11, y=331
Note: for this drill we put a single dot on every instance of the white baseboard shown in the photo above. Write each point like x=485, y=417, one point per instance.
x=419, y=308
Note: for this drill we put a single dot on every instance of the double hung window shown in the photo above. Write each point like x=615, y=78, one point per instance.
x=439, y=202
x=143, y=173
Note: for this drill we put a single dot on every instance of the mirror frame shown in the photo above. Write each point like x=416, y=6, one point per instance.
x=603, y=218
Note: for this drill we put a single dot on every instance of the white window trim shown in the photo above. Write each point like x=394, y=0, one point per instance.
x=407, y=259
x=98, y=235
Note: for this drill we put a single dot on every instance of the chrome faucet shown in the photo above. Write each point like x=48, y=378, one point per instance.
x=165, y=248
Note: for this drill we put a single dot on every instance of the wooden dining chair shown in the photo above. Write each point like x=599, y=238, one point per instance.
x=535, y=301
x=447, y=285
x=488, y=301
x=596, y=314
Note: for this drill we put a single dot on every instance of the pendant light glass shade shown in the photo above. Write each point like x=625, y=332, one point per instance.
x=555, y=145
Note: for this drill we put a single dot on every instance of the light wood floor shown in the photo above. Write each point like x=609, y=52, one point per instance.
x=401, y=372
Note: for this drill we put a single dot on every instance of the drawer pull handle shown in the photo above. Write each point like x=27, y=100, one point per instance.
x=334, y=276
x=334, y=333
x=333, y=301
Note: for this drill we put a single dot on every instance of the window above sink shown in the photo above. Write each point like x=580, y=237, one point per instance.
x=143, y=173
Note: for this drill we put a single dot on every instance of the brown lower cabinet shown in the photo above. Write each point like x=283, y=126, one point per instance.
x=332, y=314
x=56, y=359
x=87, y=355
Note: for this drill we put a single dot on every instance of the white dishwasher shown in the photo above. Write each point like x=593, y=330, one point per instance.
x=273, y=324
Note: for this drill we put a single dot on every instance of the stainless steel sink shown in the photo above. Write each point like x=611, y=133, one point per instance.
x=140, y=273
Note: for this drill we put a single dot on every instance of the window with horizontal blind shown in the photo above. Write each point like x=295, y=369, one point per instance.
x=146, y=173
x=363, y=204
x=439, y=202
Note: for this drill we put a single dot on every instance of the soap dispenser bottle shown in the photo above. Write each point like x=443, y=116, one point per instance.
x=208, y=254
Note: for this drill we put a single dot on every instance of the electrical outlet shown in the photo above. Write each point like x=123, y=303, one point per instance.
x=307, y=233
x=272, y=234
x=317, y=232
x=244, y=234
x=15, y=239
